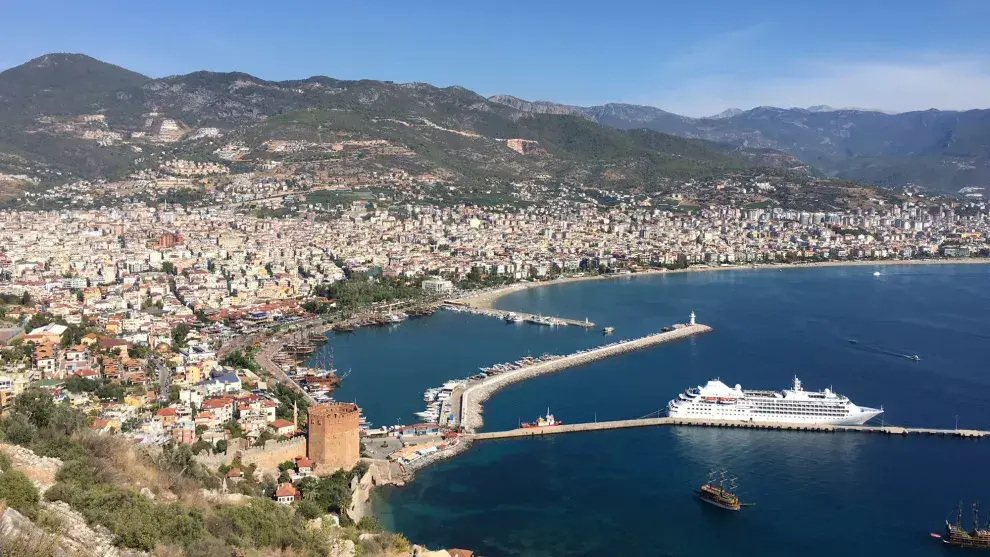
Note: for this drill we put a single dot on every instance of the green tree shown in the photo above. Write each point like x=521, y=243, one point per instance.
x=66, y=420
x=77, y=384
x=19, y=493
x=36, y=404
x=179, y=334
x=308, y=509
x=168, y=267
x=19, y=430
x=110, y=391
x=233, y=427
x=220, y=447
x=201, y=445
x=370, y=524
x=72, y=336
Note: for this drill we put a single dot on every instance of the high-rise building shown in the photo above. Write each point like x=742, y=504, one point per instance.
x=333, y=436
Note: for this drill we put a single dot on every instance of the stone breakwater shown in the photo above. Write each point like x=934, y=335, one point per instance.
x=475, y=395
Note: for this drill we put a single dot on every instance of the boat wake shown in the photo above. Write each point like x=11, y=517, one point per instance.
x=884, y=351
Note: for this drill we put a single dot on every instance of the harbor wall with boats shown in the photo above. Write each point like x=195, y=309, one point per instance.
x=694, y=422
x=518, y=316
x=467, y=414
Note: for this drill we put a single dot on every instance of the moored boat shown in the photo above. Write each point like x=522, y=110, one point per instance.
x=716, y=400
x=543, y=421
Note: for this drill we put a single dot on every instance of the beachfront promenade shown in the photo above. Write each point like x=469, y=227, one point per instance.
x=699, y=422
x=469, y=400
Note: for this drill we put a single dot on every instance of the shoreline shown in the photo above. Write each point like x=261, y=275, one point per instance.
x=488, y=298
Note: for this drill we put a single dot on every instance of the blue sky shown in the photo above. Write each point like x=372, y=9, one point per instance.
x=697, y=57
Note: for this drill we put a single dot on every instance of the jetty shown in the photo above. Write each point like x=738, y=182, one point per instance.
x=528, y=317
x=468, y=400
x=704, y=422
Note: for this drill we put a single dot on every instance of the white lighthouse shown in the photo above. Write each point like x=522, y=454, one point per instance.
x=692, y=318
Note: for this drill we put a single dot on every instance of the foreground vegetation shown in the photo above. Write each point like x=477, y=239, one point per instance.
x=157, y=503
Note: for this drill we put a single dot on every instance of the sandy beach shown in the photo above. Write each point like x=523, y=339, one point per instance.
x=487, y=298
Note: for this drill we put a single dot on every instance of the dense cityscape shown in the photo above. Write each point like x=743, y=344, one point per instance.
x=147, y=318
x=231, y=265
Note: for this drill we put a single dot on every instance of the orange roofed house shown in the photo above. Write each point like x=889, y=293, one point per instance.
x=285, y=494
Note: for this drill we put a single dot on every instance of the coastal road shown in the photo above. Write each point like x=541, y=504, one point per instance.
x=264, y=359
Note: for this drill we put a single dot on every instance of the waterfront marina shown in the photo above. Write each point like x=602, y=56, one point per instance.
x=772, y=324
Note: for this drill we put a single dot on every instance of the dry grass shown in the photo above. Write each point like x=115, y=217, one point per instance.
x=125, y=465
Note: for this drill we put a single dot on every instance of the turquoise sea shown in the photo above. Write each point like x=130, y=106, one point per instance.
x=628, y=492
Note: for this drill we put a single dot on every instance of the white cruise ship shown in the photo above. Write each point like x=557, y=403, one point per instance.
x=718, y=401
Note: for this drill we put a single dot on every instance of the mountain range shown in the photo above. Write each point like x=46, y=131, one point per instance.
x=70, y=116
x=937, y=149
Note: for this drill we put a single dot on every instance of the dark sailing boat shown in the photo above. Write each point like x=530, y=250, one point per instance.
x=716, y=494
x=957, y=536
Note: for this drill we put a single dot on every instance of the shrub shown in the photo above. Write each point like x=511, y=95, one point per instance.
x=209, y=547
x=19, y=493
x=309, y=510
x=5, y=462
x=370, y=524
x=49, y=443
x=138, y=522
x=18, y=429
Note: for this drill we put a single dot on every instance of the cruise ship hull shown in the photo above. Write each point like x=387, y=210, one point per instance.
x=859, y=419
x=717, y=401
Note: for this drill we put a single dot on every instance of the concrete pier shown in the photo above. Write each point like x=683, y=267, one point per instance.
x=696, y=422
x=468, y=412
x=501, y=314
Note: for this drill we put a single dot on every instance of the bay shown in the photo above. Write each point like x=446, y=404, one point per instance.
x=629, y=492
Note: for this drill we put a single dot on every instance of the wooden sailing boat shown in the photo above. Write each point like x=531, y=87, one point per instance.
x=715, y=493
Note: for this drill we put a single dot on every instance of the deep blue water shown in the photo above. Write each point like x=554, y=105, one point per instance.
x=629, y=492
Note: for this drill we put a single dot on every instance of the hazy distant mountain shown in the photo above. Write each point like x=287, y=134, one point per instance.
x=727, y=113
x=943, y=150
x=538, y=107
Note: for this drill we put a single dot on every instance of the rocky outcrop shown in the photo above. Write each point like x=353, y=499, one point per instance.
x=77, y=537
x=423, y=552
x=525, y=146
x=39, y=469
x=67, y=530
x=19, y=536
x=380, y=472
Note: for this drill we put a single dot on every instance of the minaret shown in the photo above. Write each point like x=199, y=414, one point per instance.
x=295, y=415
x=692, y=318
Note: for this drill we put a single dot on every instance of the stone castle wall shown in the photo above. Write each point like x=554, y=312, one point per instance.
x=271, y=455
